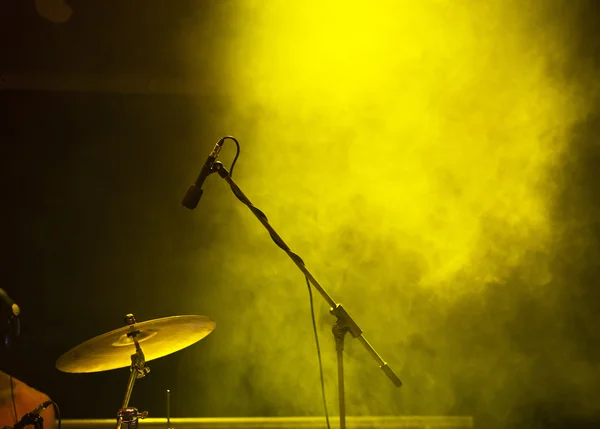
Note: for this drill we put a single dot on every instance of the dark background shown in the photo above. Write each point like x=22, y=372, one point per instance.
x=86, y=182
x=86, y=177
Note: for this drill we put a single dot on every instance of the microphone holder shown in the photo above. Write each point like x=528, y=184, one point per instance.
x=28, y=419
x=344, y=322
x=138, y=369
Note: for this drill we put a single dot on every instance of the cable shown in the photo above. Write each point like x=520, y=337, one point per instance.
x=236, y=155
x=57, y=412
x=12, y=394
x=312, y=313
x=258, y=213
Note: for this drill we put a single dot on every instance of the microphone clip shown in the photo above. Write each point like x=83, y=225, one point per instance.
x=30, y=419
x=33, y=417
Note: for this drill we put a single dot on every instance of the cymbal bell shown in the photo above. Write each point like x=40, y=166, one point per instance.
x=157, y=338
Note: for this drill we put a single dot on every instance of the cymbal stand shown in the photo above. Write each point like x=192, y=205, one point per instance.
x=138, y=369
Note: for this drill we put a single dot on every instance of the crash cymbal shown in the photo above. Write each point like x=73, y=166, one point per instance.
x=157, y=338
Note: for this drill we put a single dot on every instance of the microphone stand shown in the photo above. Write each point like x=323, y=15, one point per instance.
x=344, y=323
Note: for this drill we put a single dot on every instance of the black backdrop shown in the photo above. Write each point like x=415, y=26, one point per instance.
x=75, y=216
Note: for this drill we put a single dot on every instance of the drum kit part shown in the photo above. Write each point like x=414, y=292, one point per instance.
x=134, y=345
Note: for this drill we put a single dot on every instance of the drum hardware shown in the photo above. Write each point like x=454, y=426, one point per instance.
x=138, y=369
x=130, y=417
x=159, y=337
x=169, y=409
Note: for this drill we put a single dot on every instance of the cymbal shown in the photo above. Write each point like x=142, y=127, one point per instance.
x=157, y=338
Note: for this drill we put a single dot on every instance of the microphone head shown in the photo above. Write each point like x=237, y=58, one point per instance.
x=10, y=326
x=192, y=197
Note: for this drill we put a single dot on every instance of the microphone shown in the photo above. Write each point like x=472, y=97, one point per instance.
x=13, y=324
x=32, y=417
x=194, y=192
x=8, y=301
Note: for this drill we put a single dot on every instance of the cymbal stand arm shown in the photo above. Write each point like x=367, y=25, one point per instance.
x=133, y=375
